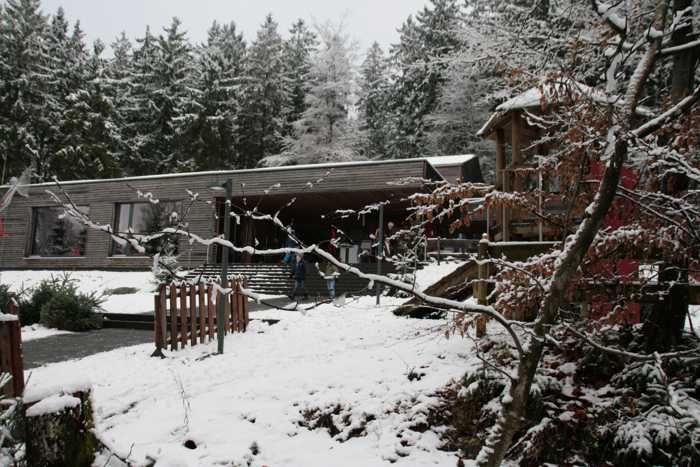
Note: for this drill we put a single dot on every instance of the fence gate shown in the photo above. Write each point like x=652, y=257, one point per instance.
x=187, y=313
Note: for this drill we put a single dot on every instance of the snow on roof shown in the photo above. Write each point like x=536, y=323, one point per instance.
x=442, y=161
x=256, y=170
x=547, y=93
x=552, y=92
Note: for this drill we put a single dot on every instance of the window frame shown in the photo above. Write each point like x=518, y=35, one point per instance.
x=33, y=225
x=115, y=225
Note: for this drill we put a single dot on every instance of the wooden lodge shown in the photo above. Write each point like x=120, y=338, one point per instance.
x=34, y=233
x=517, y=170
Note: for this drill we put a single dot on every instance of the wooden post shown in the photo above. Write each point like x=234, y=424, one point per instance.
x=11, y=357
x=202, y=312
x=500, y=157
x=158, y=321
x=231, y=308
x=173, y=317
x=193, y=316
x=482, y=284
x=183, y=316
x=516, y=144
x=211, y=310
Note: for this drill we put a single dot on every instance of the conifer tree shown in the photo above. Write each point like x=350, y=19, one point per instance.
x=25, y=130
x=141, y=112
x=265, y=96
x=298, y=49
x=420, y=65
x=174, y=98
x=88, y=137
x=213, y=135
x=373, y=103
x=324, y=131
x=118, y=89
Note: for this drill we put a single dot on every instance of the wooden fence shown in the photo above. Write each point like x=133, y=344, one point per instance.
x=187, y=313
x=11, y=354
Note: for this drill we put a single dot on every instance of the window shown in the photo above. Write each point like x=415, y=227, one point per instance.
x=57, y=234
x=144, y=219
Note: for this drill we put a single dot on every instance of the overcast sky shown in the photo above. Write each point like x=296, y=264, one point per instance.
x=367, y=20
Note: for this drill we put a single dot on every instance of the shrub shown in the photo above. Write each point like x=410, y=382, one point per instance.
x=30, y=311
x=72, y=311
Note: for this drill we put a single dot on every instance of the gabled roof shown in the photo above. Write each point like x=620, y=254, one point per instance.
x=542, y=96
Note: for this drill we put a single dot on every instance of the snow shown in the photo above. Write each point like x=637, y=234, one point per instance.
x=5, y=317
x=433, y=272
x=96, y=281
x=356, y=358
x=37, y=331
x=441, y=161
x=53, y=404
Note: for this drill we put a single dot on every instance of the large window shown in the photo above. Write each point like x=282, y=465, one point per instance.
x=144, y=219
x=57, y=234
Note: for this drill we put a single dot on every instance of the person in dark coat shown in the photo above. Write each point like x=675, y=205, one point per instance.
x=299, y=275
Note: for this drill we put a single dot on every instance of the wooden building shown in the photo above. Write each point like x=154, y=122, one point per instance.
x=517, y=169
x=36, y=235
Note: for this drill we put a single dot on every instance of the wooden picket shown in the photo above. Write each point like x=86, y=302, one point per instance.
x=11, y=354
x=187, y=313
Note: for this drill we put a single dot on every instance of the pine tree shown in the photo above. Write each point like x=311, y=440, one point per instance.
x=420, y=64
x=141, y=116
x=25, y=130
x=88, y=137
x=118, y=89
x=174, y=98
x=324, y=131
x=264, y=97
x=162, y=104
x=213, y=136
x=373, y=103
x=298, y=49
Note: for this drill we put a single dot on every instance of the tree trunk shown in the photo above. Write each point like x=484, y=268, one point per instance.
x=684, y=61
x=513, y=409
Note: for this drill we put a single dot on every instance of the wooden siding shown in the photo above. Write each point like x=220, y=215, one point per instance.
x=102, y=195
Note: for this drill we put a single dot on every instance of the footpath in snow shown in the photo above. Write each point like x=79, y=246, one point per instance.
x=248, y=407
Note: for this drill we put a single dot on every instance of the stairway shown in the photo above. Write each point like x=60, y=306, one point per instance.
x=274, y=279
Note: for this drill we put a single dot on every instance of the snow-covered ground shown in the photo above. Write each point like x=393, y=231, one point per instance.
x=245, y=407
x=37, y=331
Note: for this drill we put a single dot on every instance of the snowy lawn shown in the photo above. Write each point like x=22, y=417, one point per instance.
x=247, y=406
x=37, y=331
x=138, y=300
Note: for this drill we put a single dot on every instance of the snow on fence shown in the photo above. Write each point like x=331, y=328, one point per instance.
x=11, y=352
x=187, y=313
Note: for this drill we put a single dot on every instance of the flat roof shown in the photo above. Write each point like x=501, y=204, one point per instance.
x=439, y=161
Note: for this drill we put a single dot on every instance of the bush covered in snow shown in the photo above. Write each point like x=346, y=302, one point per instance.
x=57, y=303
x=587, y=406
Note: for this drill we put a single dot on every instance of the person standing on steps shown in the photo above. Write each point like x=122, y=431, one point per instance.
x=299, y=275
x=330, y=273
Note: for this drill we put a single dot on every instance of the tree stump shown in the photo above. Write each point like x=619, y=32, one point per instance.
x=59, y=432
